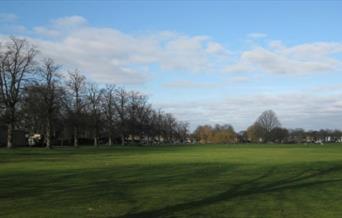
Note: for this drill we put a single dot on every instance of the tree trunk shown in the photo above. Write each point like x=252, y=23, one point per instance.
x=95, y=141
x=122, y=139
x=62, y=137
x=110, y=140
x=48, y=135
x=9, y=135
x=75, y=137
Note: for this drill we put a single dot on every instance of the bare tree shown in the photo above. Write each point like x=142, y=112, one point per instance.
x=268, y=121
x=182, y=131
x=138, y=111
x=150, y=118
x=32, y=111
x=109, y=110
x=76, y=85
x=51, y=95
x=121, y=101
x=16, y=63
x=146, y=119
x=169, y=126
x=94, y=98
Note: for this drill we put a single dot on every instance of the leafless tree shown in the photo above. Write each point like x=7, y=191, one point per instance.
x=109, y=111
x=268, y=121
x=182, y=131
x=121, y=101
x=51, y=95
x=160, y=125
x=76, y=86
x=169, y=127
x=32, y=109
x=16, y=63
x=138, y=111
x=94, y=97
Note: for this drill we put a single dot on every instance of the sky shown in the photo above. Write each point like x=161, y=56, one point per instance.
x=206, y=62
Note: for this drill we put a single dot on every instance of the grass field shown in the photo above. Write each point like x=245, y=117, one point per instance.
x=173, y=181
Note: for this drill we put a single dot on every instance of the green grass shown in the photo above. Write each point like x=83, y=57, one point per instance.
x=173, y=181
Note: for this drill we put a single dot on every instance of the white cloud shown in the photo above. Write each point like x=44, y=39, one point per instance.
x=191, y=53
x=110, y=55
x=216, y=48
x=240, y=67
x=279, y=59
x=313, y=50
x=70, y=21
x=277, y=63
x=94, y=61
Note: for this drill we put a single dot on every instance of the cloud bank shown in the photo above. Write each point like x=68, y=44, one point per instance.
x=108, y=55
x=293, y=109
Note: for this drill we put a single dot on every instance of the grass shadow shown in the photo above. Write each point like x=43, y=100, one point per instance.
x=254, y=186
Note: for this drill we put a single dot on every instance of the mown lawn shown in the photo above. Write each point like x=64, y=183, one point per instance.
x=173, y=181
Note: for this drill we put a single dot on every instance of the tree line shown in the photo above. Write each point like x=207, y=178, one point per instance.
x=266, y=129
x=67, y=109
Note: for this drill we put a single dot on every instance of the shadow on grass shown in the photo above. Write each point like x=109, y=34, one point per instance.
x=258, y=185
x=64, y=188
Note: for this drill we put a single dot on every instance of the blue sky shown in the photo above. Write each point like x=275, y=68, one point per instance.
x=205, y=61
